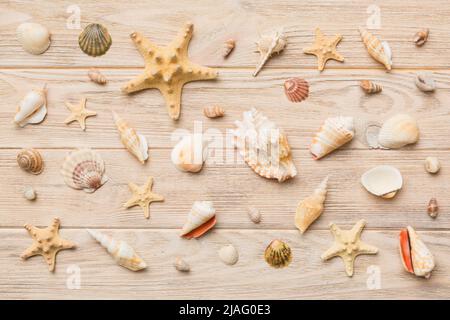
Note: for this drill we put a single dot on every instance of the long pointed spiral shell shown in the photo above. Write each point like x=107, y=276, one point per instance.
x=95, y=40
x=30, y=160
x=268, y=46
x=380, y=51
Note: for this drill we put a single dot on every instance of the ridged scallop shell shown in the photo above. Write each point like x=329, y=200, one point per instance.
x=95, y=40
x=97, y=77
x=278, y=254
x=264, y=147
x=213, y=112
x=383, y=181
x=34, y=37
x=201, y=218
x=32, y=108
x=268, y=46
x=121, y=251
x=398, y=131
x=84, y=170
x=370, y=87
x=380, y=51
x=229, y=255
x=334, y=133
x=296, y=89
x=30, y=160
x=134, y=142
x=190, y=152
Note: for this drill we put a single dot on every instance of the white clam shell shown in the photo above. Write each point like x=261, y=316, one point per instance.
x=34, y=37
x=201, y=212
x=382, y=180
x=229, y=255
x=190, y=152
x=398, y=131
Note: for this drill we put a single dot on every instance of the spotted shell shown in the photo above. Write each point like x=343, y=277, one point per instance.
x=278, y=254
x=30, y=160
x=95, y=40
x=296, y=89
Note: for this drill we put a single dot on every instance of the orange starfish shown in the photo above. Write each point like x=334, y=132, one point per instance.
x=324, y=49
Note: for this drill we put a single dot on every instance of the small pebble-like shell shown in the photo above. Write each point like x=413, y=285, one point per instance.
x=278, y=254
x=296, y=89
x=29, y=193
x=34, y=37
x=433, y=208
x=95, y=40
x=228, y=47
x=254, y=214
x=432, y=165
x=213, y=112
x=370, y=87
x=421, y=37
x=97, y=77
x=181, y=265
x=425, y=82
x=30, y=160
x=229, y=255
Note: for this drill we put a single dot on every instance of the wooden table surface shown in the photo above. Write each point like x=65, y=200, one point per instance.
x=231, y=186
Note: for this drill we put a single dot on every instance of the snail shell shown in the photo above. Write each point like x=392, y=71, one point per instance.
x=370, y=87
x=97, y=77
x=433, y=208
x=213, y=112
x=95, y=40
x=421, y=37
x=228, y=47
x=30, y=160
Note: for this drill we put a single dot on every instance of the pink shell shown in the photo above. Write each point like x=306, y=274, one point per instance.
x=296, y=89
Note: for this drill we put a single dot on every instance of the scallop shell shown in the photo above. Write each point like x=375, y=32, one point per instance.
x=264, y=147
x=425, y=82
x=30, y=160
x=380, y=51
x=134, y=142
x=32, y=108
x=433, y=208
x=383, y=181
x=97, y=77
x=278, y=254
x=84, y=170
x=334, y=133
x=268, y=46
x=398, y=131
x=95, y=40
x=213, y=112
x=201, y=218
x=181, y=265
x=229, y=255
x=34, y=37
x=421, y=37
x=370, y=87
x=121, y=251
x=432, y=165
x=254, y=214
x=228, y=47
x=190, y=152
x=296, y=89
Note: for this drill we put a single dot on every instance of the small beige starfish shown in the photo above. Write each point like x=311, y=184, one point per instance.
x=143, y=196
x=79, y=113
x=348, y=245
x=324, y=49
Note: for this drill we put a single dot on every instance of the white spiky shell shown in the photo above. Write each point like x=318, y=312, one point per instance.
x=201, y=212
x=84, y=169
x=422, y=258
x=264, y=147
x=32, y=108
x=398, y=131
x=134, y=142
x=334, y=133
x=383, y=181
x=190, y=152
x=268, y=46
x=379, y=50
x=121, y=251
x=34, y=37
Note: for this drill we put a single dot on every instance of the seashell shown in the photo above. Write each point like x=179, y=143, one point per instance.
x=84, y=170
x=29, y=193
x=370, y=87
x=228, y=47
x=32, y=108
x=201, y=218
x=383, y=181
x=432, y=165
x=416, y=257
x=213, y=112
x=278, y=254
x=268, y=46
x=190, y=152
x=264, y=146
x=254, y=214
x=380, y=51
x=30, y=160
x=95, y=40
x=433, y=208
x=229, y=255
x=421, y=37
x=311, y=208
x=181, y=265
x=425, y=82
x=96, y=76
x=134, y=142
x=296, y=89
x=398, y=131
x=121, y=251
x=34, y=37
x=334, y=133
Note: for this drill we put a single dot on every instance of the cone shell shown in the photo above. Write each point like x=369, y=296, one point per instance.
x=34, y=37
x=32, y=108
x=97, y=77
x=135, y=143
x=229, y=255
x=296, y=89
x=213, y=112
x=370, y=87
x=30, y=160
x=380, y=51
x=268, y=46
x=228, y=47
x=121, y=251
x=433, y=208
x=264, y=146
x=84, y=170
x=278, y=254
x=95, y=40
x=398, y=131
x=189, y=153
x=334, y=133
x=383, y=181
x=201, y=218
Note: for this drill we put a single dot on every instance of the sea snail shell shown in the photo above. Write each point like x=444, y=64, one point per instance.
x=30, y=160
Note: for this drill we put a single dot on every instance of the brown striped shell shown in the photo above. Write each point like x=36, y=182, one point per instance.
x=213, y=112
x=30, y=160
x=370, y=87
x=95, y=40
x=296, y=89
x=278, y=254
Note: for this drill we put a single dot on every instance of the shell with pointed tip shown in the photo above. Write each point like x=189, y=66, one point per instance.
x=32, y=108
x=134, y=142
x=30, y=160
x=264, y=147
x=213, y=112
x=278, y=254
x=228, y=47
x=383, y=181
x=201, y=218
x=296, y=89
x=34, y=37
x=268, y=46
x=84, y=170
x=95, y=40
x=334, y=133
x=97, y=77
x=121, y=251
x=370, y=87
x=311, y=208
x=229, y=255
x=398, y=131
x=189, y=153
x=421, y=37
x=380, y=51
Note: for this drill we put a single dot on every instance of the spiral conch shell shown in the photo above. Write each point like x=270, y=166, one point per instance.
x=33, y=108
x=334, y=133
x=96, y=76
x=30, y=160
x=34, y=37
x=190, y=152
x=398, y=131
x=95, y=40
x=311, y=208
x=201, y=218
x=380, y=51
x=121, y=251
x=268, y=46
x=84, y=170
x=264, y=147
x=134, y=142
x=296, y=89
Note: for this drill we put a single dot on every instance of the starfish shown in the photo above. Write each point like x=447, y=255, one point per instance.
x=348, y=245
x=143, y=196
x=79, y=113
x=324, y=49
x=47, y=243
x=168, y=69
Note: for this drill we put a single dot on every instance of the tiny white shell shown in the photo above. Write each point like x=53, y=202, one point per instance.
x=432, y=165
x=34, y=37
x=229, y=255
x=181, y=265
x=29, y=193
x=189, y=153
x=254, y=214
x=383, y=181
